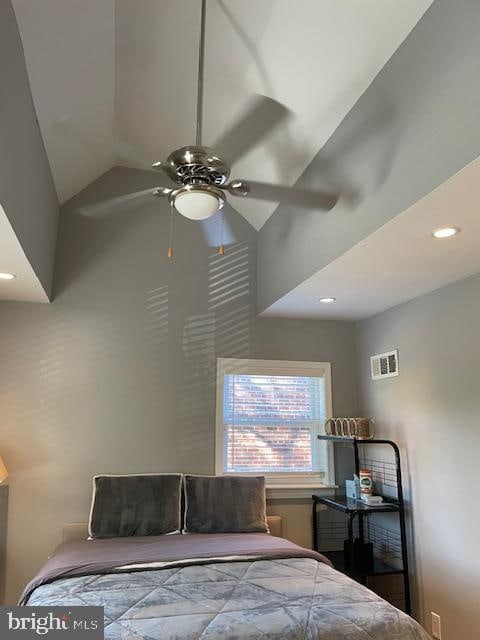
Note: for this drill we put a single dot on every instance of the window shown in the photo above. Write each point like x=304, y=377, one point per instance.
x=269, y=413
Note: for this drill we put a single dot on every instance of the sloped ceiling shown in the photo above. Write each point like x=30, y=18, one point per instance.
x=115, y=82
x=399, y=261
x=28, y=201
x=69, y=50
x=26, y=285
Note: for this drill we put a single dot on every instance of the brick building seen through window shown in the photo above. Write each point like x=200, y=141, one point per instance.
x=270, y=420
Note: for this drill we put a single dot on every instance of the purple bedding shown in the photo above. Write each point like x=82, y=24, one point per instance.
x=215, y=587
x=103, y=556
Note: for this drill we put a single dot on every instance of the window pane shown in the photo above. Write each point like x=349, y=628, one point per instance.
x=278, y=449
x=271, y=423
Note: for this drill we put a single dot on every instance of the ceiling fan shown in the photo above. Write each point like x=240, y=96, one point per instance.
x=199, y=174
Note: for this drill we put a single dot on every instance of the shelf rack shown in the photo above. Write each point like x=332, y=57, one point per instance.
x=390, y=476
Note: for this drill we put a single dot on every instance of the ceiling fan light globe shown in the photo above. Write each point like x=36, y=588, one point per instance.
x=197, y=205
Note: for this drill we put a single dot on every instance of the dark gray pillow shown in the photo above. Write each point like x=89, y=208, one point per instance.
x=225, y=504
x=135, y=505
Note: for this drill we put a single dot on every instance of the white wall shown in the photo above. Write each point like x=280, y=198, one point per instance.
x=432, y=409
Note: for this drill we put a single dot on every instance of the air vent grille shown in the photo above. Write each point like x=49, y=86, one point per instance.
x=384, y=365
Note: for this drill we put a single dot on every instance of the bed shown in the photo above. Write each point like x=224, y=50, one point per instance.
x=214, y=586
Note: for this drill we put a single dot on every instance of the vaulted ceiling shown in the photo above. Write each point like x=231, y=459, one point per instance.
x=114, y=82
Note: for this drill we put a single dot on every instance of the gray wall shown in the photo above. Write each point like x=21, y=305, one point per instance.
x=432, y=410
x=118, y=373
x=415, y=126
x=27, y=192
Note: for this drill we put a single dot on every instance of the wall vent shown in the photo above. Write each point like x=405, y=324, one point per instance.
x=384, y=365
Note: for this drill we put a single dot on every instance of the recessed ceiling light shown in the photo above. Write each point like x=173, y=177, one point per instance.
x=327, y=300
x=445, y=232
x=7, y=276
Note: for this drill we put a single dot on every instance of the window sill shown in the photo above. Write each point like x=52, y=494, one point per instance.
x=297, y=491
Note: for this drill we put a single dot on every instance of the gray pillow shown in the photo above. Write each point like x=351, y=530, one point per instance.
x=225, y=504
x=135, y=505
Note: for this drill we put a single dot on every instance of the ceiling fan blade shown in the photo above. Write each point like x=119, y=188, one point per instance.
x=261, y=116
x=287, y=195
x=108, y=207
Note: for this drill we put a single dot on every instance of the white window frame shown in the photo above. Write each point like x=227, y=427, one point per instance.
x=271, y=368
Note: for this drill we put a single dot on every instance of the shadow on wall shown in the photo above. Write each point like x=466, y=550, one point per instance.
x=197, y=397
x=117, y=374
x=128, y=248
x=223, y=331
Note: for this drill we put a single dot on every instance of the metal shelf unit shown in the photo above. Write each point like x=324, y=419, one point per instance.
x=391, y=476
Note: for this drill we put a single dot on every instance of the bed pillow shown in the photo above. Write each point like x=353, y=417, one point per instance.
x=225, y=504
x=135, y=505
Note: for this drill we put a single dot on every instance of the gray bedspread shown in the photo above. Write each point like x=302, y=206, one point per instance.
x=277, y=598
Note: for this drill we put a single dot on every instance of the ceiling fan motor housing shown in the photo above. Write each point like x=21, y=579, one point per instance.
x=196, y=165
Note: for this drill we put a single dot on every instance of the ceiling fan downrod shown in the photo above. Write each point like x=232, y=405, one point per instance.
x=201, y=73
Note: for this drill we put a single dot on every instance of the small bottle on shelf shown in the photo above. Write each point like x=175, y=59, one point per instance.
x=365, y=482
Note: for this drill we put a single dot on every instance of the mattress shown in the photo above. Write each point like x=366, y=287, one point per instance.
x=227, y=586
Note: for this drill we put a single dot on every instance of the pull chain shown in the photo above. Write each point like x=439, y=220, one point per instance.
x=221, y=248
x=170, y=242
